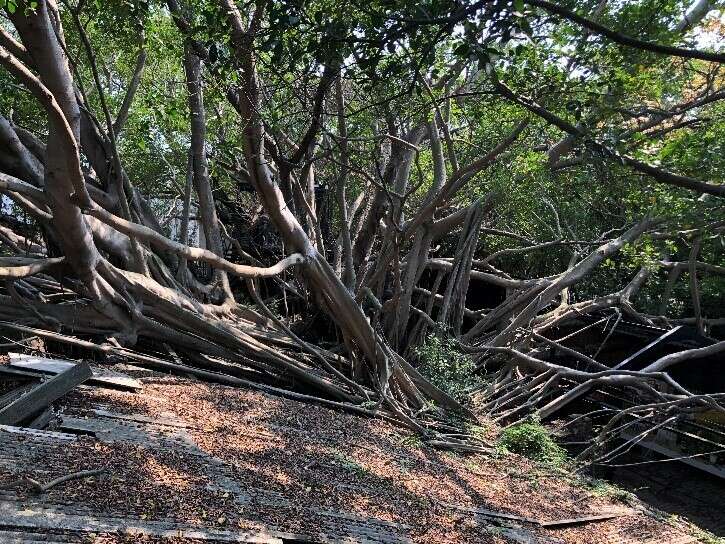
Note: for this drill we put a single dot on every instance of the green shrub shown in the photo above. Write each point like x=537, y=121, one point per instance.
x=532, y=440
x=446, y=367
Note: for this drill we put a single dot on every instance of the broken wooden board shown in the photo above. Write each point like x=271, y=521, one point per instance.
x=42, y=420
x=557, y=523
x=26, y=434
x=14, y=373
x=44, y=394
x=102, y=377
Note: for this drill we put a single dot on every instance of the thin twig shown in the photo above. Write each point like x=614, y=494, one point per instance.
x=39, y=488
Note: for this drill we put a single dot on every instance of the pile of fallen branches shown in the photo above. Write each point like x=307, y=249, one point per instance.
x=512, y=345
x=528, y=386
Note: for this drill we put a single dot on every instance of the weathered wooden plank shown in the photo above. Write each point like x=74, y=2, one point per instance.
x=14, y=373
x=44, y=394
x=33, y=433
x=116, y=430
x=140, y=418
x=16, y=516
x=101, y=376
x=490, y=513
x=32, y=537
x=587, y=518
x=41, y=420
x=13, y=395
x=35, y=516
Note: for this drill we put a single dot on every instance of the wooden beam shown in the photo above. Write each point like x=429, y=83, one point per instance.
x=12, y=396
x=41, y=421
x=44, y=394
x=102, y=377
x=7, y=370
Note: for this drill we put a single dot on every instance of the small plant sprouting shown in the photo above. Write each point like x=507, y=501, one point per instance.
x=348, y=463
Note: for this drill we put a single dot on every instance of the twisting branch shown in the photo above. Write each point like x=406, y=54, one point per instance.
x=656, y=173
x=682, y=356
x=623, y=39
x=348, y=271
x=580, y=270
x=694, y=287
x=39, y=488
x=139, y=260
x=150, y=236
x=46, y=98
x=21, y=267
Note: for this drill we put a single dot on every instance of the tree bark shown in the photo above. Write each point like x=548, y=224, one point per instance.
x=207, y=207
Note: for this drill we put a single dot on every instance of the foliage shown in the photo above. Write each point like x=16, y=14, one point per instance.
x=532, y=440
x=446, y=367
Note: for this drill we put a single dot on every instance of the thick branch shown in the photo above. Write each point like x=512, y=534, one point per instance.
x=682, y=356
x=130, y=94
x=622, y=38
x=149, y=236
x=21, y=267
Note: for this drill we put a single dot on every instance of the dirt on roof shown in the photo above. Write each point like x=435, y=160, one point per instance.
x=237, y=461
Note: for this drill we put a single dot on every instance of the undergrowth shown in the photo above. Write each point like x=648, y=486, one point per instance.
x=532, y=440
x=446, y=367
